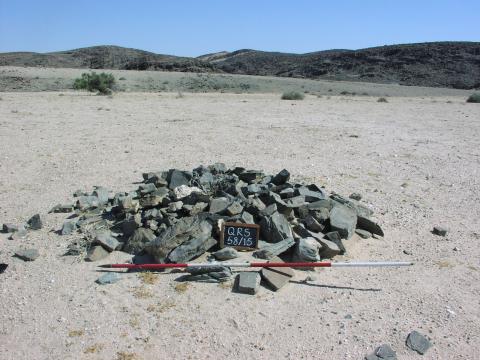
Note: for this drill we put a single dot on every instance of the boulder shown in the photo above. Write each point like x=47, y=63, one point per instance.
x=343, y=219
x=68, y=227
x=105, y=239
x=195, y=228
x=275, y=228
x=271, y=250
x=307, y=250
x=329, y=249
x=281, y=178
x=136, y=243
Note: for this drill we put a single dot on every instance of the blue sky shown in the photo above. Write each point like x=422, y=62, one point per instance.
x=192, y=28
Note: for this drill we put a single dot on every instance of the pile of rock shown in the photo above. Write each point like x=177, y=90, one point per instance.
x=175, y=216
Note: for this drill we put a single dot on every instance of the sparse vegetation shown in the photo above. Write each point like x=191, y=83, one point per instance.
x=148, y=278
x=181, y=287
x=122, y=78
x=292, y=95
x=74, y=333
x=382, y=100
x=95, y=348
x=474, y=98
x=103, y=83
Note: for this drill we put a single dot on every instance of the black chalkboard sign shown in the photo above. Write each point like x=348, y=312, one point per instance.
x=240, y=236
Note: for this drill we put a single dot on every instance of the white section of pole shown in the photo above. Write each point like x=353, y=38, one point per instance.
x=372, y=264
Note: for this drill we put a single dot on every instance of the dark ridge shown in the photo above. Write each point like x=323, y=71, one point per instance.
x=438, y=64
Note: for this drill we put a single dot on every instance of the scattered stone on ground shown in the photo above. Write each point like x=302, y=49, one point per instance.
x=383, y=352
x=11, y=228
x=35, y=223
x=21, y=233
x=108, y=278
x=61, y=208
x=418, y=342
x=27, y=254
x=226, y=253
x=355, y=196
x=439, y=230
x=248, y=282
x=3, y=267
x=68, y=227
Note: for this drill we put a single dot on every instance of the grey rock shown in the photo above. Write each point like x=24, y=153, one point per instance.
x=255, y=189
x=147, y=188
x=269, y=210
x=312, y=224
x=208, y=274
x=136, y=243
x=130, y=224
x=108, y=278
x=175, y=206
x=255, y=205
x=27, y=254
x=61, y=208
x=235, y=208
x=157, y=198
x=101, y=194
x=247, y=218
x=275, y=228
x=248, y=282
x=335, y=237
x=177, y=178
x=329, y=249
x=217, y=168
x=206, y=179
x=271, y=250
x=321, y=204
x=193, y=247
x=309, y=195
x=227, y=253
x=303, y=212
x=355, y=196
x=287, y=193
x=129, y=204
x=307, y=250
x=105, y=239
x=321, y=215
x=344, y=220
x=295, y=201
x=184, y=229
x=96, y=253
x=21, y=233
x=10, y=228
x=198, y=208
x=369, y=225
x=364, y=234
x=418, y=342
x=281, y=178
x=68, y=227
x=35, y=223
x=85, y=202
x=383, y=352
x=219, y=205
x=440, y=230
x=250, y=176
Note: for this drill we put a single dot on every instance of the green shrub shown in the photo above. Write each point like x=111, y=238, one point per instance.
x=474, y=98
x=102, y=83
x=292, y=95
x=382, y=99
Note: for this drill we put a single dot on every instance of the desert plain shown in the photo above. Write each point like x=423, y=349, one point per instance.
x=415, y=159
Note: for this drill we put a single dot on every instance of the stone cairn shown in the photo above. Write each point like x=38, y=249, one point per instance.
x=175, y=216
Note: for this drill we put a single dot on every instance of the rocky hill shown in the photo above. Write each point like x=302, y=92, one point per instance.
x=443, y=64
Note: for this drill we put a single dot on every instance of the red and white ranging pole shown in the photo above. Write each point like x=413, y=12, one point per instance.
x=260, y=265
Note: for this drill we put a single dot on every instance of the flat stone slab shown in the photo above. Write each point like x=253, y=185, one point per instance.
x=248, y=282
x=96, y=253
x=277, y=277
x=105, y=239
x=27, y=254
x=108, y=278
x=418, y=342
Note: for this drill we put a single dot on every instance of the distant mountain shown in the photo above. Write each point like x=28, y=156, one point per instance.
x=441, y=64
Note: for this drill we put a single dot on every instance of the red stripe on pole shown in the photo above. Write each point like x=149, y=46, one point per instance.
x=146, y=266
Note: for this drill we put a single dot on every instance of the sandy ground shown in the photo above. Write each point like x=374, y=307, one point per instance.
x=416, y=161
